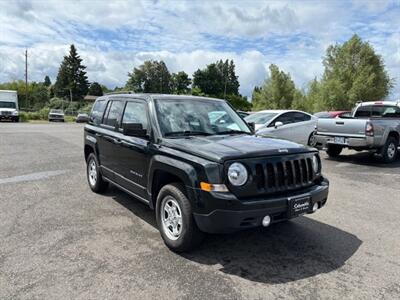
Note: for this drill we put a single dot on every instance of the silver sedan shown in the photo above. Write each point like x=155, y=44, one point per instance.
x=292, y=125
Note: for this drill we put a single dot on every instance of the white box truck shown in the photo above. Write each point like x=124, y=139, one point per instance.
x=9, y=106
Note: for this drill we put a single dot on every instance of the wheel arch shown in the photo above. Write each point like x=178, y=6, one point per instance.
x=165, y=170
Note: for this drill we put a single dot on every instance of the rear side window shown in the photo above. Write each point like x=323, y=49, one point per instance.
x=136, y=113
x=300, y=117
x=114, y=113
x=97, y=112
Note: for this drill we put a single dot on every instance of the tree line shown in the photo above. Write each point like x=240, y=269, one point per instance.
x=352, y=72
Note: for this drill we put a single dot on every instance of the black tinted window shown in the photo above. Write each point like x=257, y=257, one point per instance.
x=113, y=116
x=97, y=112
x=378, y=111
x=286, y=118
x=300, y=117
x=135, y=112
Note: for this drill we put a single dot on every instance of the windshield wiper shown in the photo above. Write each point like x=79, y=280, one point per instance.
x=233, y=132
x=186, y=133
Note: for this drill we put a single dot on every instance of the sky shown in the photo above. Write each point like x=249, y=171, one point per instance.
x=113, y=37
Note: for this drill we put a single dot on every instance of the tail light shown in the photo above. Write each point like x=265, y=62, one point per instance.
x=369, y=129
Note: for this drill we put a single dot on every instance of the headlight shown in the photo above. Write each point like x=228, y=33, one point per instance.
x=316, y=164
x=15, y=113
x=237, y=174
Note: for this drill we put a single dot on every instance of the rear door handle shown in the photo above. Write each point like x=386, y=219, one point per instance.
x=98, y=134
x=117, y=141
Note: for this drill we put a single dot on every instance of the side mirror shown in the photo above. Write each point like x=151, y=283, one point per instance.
x=134, y=129
x=278, y=124
x=252, y=126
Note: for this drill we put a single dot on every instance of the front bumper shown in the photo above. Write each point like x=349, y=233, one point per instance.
x=242, y=215
x=9, y=118
x=322, y=141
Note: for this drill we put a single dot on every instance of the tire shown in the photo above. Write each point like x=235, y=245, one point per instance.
x=94, y=178
x=183, y=234
x=311, y=140
x=334, y=150
x=389, y=151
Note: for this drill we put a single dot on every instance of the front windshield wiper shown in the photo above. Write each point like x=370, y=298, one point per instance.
x=186, y=133
x=233, y=132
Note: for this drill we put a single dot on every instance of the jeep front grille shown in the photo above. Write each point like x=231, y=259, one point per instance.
x=284, y=175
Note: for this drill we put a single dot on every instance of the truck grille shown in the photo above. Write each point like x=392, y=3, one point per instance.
x=276, y=175
x=6, y=113
x=284, y=175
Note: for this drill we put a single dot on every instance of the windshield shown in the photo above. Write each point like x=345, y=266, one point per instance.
x=198, y=117
x=4, y=104
x=56, y=111
x=260, y=118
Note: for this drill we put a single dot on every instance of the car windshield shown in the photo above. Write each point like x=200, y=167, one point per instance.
x=5, y=104
x=56, y=111
x=180, y=117
x=260, y=118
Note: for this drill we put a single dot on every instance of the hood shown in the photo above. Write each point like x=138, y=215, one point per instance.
x=221, y=148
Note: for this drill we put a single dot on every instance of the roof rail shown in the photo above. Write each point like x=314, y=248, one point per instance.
x=120, y=92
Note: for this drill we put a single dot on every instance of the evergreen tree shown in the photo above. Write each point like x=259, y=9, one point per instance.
x=180, y=83
x=150, y=77
x=95, y=89
x=47, y=81
x=353, y=72
x=278, y=91
x=71, y=78
x=217, y=79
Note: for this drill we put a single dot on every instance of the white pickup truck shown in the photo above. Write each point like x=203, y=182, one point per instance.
x=9, y=106
x=374, y=126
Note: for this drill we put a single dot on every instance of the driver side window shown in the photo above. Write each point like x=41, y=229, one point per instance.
x=285, y=118
x=135, y=113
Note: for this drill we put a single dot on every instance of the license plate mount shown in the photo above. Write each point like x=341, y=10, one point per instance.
x=299, y=205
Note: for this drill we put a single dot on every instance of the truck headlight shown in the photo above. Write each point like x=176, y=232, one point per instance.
x=15, y=113
x=237, y=174
x=316, y=164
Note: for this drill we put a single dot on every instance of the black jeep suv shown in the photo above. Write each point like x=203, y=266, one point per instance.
x=198, y=164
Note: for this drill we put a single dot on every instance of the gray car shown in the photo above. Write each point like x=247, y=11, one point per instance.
x=374, y=126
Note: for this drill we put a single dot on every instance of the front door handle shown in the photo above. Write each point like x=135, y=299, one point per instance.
x=117, y=141
x=98, y=134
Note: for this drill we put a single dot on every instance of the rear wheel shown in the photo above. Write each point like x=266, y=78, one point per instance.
x=175, y=219
x=311, y=140
x=95, y=179
x=389, y=151
x=334, y=150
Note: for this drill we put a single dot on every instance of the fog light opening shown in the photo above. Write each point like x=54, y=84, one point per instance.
x=315, y=207
x=266, y=221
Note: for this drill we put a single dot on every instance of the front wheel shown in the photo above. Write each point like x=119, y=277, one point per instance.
x=334, y=150
x=175, y=219
x=389, y=151
x=94, y=177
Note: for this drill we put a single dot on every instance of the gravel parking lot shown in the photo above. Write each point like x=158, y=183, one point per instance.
x=58, y=240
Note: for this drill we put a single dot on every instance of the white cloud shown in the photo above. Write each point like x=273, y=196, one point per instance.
x=114, y=36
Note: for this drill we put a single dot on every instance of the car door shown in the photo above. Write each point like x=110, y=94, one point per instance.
x=133, y=151
x=305, y=126
x=283, y=131
x=107, y=139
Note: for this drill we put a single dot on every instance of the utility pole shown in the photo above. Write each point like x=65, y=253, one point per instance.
x=26, y=77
